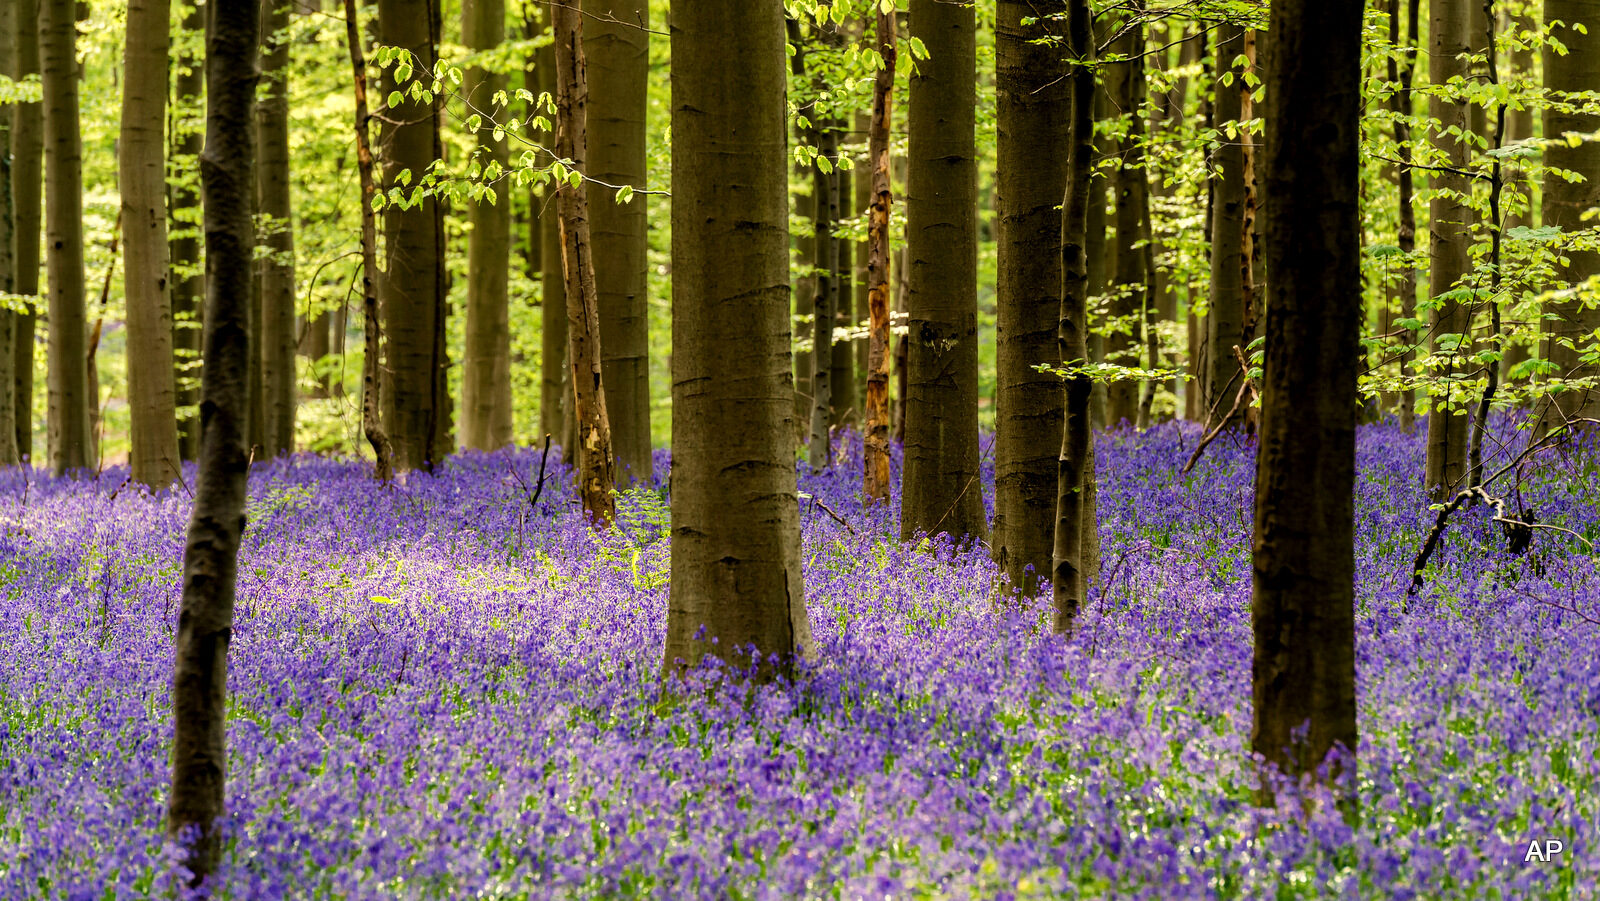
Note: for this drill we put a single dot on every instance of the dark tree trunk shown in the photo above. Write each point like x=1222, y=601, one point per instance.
x=1406, y=235
x=1032, y=86
x=735, y=509
x=205, y=619
x=940, y=491
x=371, y=376
x=70, y=440
x=619, y=70
x=1303, y=608
x=553, y=309
x=1075, y=468
x=1225, y=323
x=1125, y=85
x=27, y=154
x=1450, y=237
x=276, y=338
x=875, y=441
x=188, y=280
x=825, y=204
x=8, y=262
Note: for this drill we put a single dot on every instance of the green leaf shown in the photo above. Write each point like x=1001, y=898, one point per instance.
x=919, y=50
x=624, y=193
x=395, y=99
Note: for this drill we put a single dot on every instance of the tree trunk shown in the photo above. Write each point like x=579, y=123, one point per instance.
x=861, y=317
x=619, y=73
x=8, y=261
x=1125, y=85
x=940, y=491
x=143, y=158
x=1519, y=127
x=1303, y=605
x=486, y=360
x=277, y=337
x=1075, y=468
x=411, y=289
x=842, y=377
x=27, y=149
x=1033, y=93
x=1451, y=239
x=584, y=345
x=825, y=203
x=68, y=362
x=735, y=509
x=1095, y=247
x=875, y=439
x=553, y=298
x=1225, y=323
x=1566, y=202
x=188, y=280
x=1406, y=237
x=371, y=374
x=205, y=619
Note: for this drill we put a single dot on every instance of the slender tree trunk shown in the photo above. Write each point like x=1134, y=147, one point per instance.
x=143, y=158
x=27, y=153
x=1569, y=335
x=1169, y=122
x=411, y=298
x=1406, y=238
x=584, y=345
x=68, y=363
x=1033, y=90
x=875, y=441
x=825, y=200
x=940, y=491
x=205, y=619
x=553, y=310
x=1125, y=85
x=843, y=375
x=188, y=279
x=8, y=261
x=1519, y=127
x=277, y=337
x=486, y=361
x=861, y=182
x=371, y=323
x=1303, y=605
x=736, y=578
x=1075, y=467
x=805, y=243
x=1225, y=323
x=1451, y=238
x=619, y=73
x=1096, y=247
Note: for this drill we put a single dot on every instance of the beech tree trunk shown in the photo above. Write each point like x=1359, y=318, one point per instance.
x=1075, y=467
x=277, y=337
x=8, y=261
x=940, y=491
x=27, y=154
x=736, y=576
x=825, y=203
x=1125, y=85
x=1225, y=323
x=1406, y=237
x=618, y=55
x=846, y=402
x=1033, y=92
x=205, y=619
x=584, y=345
x=1450, y=240
x=1570, y=335
x=861, y=346
x=553, y=310
x=143, y=158
x=1519, y=127
x=68, y=362
x=486, y=361
x=188, y=279
x=411, y=290
x=1303, y=604
x=372, y=382
x=875, y=439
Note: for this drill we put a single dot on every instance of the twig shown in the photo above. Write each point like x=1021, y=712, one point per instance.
x=533, y=496
x=817, y=502
x=1238, y=400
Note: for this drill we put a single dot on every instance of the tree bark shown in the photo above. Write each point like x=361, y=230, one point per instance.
x=842, y=375
x=143, y=157
x=1566, y=202
x=1519, y=127
x=1303, y=605
x=584, y=344
x=1125, y=85
x=1075, y=467
x=1450, y=239
x=27, y=154
x=619, y=73
x=68, y=361
x=825, y=203
x=1225, y=323
x=371, y=323
x=8, y=261
x=411, y=289
x=188, y=279
x=1033, y=93
x=736, y=578
x=277, y=336
x=1406, y=237
x=940, y=491
x=486, y=360
x=861, y=346
x=205, y=619
x=875, y=440
x=553, y=310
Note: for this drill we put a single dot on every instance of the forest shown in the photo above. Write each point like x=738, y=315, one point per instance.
x=835, y=449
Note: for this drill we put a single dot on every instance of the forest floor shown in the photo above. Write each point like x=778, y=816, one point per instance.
x=443, y=690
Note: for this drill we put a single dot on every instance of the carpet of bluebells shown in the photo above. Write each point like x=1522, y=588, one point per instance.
x=442, y=689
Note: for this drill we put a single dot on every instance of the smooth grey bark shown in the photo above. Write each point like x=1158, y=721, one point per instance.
x=205, y=618
x=736, y=580
x=1033, y=91
x=277, y=335
x=486, y=358
x=1450, y=237
x=940, y=491
x=142, y=155
x=619, y=71
x=70, y=447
